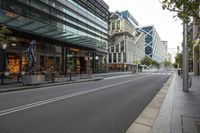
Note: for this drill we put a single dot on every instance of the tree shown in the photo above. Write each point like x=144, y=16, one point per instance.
x=156, y=64
x=146, y=61
x=4, y=35
x=178, y=59
x=167, y=63
x=184, y=8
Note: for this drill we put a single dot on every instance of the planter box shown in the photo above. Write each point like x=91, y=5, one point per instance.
x=33, y=79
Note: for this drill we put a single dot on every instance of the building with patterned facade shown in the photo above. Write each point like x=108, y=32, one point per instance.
x=154, y=46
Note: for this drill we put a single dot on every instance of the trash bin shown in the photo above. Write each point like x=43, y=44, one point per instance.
x=179, y=72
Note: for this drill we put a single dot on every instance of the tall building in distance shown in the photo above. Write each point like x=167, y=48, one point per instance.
x=126, y=45
x=167, y=54
x=69, y=34
x=154, y=47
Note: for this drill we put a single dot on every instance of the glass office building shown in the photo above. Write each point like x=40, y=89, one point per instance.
x=69, y=34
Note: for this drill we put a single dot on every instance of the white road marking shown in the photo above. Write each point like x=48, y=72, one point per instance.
x=43, y=102
x=118, y=76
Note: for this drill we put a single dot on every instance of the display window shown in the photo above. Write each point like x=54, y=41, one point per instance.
x=13, y=64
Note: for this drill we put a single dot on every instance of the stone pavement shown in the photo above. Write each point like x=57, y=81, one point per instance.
x=171, y=110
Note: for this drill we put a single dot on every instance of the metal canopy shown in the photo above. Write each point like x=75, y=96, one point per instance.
x=34, y=26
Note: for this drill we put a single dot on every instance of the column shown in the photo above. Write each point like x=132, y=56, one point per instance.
x=64, y=61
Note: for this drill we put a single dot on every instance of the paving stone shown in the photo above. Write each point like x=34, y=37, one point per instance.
x=138, y=128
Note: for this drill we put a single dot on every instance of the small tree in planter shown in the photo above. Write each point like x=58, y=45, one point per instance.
x=4, y=36
x=89, y=70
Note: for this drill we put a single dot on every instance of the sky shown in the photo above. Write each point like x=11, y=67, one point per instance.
x=150, y=12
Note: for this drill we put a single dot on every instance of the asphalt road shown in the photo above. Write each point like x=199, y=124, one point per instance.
x=106, y=106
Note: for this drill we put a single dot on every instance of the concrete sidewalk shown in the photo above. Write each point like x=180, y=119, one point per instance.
x=179, y=112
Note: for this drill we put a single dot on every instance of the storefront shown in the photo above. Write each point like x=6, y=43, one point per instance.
x=70, y=38
x=55, y=57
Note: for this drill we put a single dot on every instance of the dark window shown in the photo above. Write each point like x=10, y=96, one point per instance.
x=110, y=58
x=119, y=57
x=114, y=58
x=122, y=46
x=117, y=48
x=113, y=26
x=148, y=40
x=148, y=50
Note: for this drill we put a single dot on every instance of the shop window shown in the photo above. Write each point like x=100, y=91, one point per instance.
x=13, y=63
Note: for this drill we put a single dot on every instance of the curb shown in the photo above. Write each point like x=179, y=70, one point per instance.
x=48, y=85
x=146, y=120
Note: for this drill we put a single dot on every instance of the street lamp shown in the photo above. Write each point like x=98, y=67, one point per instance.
x=4, y=46
x=96, y=57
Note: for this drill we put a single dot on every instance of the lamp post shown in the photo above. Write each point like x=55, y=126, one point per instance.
x=4, y=47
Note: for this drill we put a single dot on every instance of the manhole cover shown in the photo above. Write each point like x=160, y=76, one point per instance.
x=198, y=125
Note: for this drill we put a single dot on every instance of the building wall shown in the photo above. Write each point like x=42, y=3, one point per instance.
x=123, y=32
x=67, y=33
x=154, y=47
x=64, y=20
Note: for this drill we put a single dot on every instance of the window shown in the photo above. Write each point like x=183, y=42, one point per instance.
x=118, y=25
x=114, y=58
x=110, y=58
x=119, y=57
x=117, y=48
x=122, y=46
x=112, y=49
x=113, y=26
x=124, y=57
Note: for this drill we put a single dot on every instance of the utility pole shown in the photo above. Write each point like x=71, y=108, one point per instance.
x=185, y=56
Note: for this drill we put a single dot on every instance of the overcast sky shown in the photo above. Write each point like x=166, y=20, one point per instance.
x=150, y=12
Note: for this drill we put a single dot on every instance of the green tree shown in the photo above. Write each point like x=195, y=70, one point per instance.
x=178, y=59
x=146, y=61
x=167, y=63
x=156, y=64
x=184, y=8
x=4, y=35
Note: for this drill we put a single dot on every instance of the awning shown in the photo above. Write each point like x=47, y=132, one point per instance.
x=34, y=26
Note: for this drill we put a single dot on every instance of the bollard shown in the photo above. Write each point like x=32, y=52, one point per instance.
x=70, y=76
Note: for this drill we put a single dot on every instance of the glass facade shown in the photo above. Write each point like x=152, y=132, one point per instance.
x=68, y=34
x=66, y=21
x=154, y=46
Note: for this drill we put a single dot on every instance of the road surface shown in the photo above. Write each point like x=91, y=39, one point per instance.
x=107, y=106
